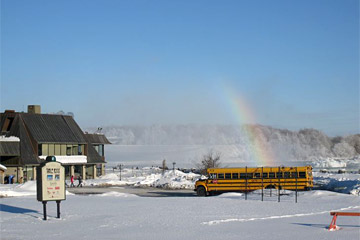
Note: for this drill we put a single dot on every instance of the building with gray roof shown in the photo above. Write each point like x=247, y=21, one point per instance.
x=26, y=139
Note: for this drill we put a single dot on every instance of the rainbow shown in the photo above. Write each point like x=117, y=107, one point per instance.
x=242, y=110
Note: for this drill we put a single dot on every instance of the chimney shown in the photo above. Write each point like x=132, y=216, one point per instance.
x=35, y=109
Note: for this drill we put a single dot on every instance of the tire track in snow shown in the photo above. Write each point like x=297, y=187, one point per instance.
x=274, y=217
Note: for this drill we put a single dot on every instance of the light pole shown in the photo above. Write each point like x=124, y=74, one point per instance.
x=120, y=166
x=174, y=166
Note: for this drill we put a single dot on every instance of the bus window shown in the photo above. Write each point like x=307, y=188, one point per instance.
x=249, y=175
x=212, y=176
x=302, y=175
x=220, y=176
x=286, y=174
x=227, y=175
x=235, y=176
x=271, y=175
x=279, y=175
x=257, y=175
x=265, y=175
x=242, y=175
x=293, y=174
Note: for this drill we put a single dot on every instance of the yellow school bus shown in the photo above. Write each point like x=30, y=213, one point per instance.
x=252, y=178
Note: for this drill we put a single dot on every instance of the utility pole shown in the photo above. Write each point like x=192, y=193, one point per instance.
x=120, y=166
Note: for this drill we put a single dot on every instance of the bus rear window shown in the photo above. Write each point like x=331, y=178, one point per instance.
x=302, y=175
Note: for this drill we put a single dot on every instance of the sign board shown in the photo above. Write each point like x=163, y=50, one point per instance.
x=51, y=181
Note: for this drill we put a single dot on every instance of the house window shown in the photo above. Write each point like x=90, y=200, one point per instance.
x=68, y=150
x=79, y=150
x=74, y=150
x=51, y=149
x=57, y=150
x=45, y=149
x=63, y=150
x=101, y=150
x=39, y=150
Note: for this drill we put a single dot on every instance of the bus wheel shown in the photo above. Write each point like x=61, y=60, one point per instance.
x=270, y=187
x=201, y=191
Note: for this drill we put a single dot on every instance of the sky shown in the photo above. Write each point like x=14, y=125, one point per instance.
x=292, y=64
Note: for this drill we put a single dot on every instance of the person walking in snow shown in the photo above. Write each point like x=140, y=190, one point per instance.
x=80, y=181
x=72, y=181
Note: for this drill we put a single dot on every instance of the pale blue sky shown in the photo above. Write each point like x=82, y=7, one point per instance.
x=169, y=62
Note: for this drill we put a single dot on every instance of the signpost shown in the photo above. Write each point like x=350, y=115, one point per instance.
x=50, y=183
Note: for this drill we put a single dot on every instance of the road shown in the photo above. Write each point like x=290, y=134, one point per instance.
x=142, y=192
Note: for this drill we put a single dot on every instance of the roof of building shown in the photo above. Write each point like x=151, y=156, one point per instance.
x=46, y=128
x=97, y=138
x=9, y=148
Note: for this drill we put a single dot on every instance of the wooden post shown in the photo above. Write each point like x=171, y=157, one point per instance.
x=58, y=208
x=83, y=172
x=296, y=183
x=246, y=183
x=262, y=183
x=44, y=209
x=279, y=185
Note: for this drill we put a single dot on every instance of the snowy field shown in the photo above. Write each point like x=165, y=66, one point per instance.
x=116, y=215
x=120, y=215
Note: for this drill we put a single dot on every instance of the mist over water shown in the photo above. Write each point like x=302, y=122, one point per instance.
x=186, y=144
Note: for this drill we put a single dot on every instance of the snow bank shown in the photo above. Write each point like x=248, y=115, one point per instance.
x=20, y=190
x=170, y=180
x=343, y=183
x=147, y=177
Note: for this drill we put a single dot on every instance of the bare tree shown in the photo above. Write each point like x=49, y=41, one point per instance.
x=209, y=160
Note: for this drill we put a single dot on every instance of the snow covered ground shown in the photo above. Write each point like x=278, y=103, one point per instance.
x=120, y=215
x=116, y=215
x=228, y=216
